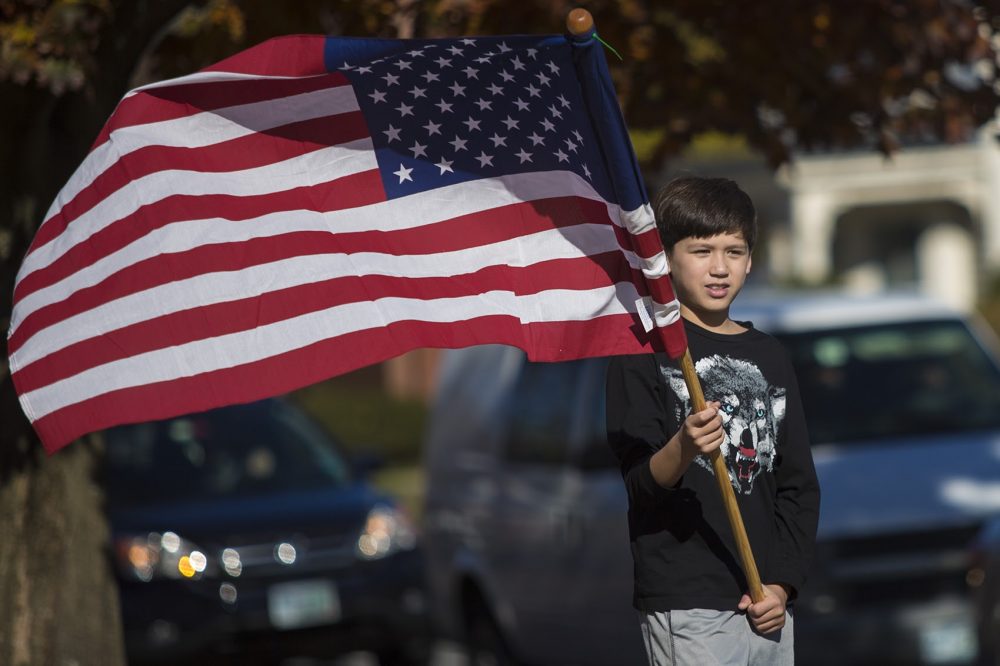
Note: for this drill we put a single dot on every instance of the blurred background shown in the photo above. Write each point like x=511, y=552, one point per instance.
x=437, y=507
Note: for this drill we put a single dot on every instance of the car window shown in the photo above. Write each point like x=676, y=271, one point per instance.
x=237, y=451
x=892, y=380
x=541, y=411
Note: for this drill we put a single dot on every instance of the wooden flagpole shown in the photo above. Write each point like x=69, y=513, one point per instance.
x=580, y=22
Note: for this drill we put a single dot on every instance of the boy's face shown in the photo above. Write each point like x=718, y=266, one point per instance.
x=707, y=273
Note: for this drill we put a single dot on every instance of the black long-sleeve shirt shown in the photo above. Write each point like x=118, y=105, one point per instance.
x=682, y=546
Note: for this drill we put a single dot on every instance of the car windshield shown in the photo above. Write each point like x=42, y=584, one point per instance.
x=894, y=380
x=240, y=451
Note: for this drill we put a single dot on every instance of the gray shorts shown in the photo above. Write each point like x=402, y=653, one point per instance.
x=713, y=638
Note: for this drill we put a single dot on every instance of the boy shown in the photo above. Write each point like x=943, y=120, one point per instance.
x=690, y=589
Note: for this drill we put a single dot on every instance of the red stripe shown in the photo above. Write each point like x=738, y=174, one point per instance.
x=185, y=99
x=552, y=341
x=245, y=152
x=454, y=234
x=355, y=190
x=178, y=328
x=292, y=55
x=647, y=244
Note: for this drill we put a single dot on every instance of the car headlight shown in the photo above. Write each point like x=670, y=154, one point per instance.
x=387, y=530
x=160, y=556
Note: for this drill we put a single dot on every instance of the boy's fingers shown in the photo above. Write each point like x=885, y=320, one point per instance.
x=745, y=602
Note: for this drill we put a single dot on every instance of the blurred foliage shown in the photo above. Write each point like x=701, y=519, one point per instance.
x=366, y=419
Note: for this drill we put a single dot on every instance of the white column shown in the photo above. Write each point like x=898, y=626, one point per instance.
x=812, y=235
x=946, y=263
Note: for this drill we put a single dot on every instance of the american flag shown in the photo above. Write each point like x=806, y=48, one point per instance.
x=314, y=205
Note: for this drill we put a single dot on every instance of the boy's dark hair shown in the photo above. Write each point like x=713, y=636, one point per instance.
x=692, y=207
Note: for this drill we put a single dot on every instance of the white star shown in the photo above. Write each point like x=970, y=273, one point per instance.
x=555, y=112
x=484, y=159
x=552, y=66
x=503, y=47
x=429, y=76
x=364, y=70
x=391, y=79
x=507, y=78
x=433, y=128
x=549, y=127
x=444, y=165
x=544, y=80
x=392, y=133
x=495, y=89
x=403, y=173
x=483, y=105
x=586, y=170
x=524, y=155
x=348, y=66
x=458, y=144
x=443, y=62
x=377, y=96
x=563, y=101
x=418, y=150
x=533, y=91
x=417, y=92
x=521, y=106
x=470, y=72
x=444, y=106
x=532, y=52
x=416, y=53
x=405, y=109
x=403, y=64
x=498, y=140
x=535, y=139
x=517, y=63
x=510, y=123
x=578, y=137
x=457, y=90
x=455, y=50
x=471, y=124
x=570, y=146
x=563, y=157
x=482, y=61
x=469, y=42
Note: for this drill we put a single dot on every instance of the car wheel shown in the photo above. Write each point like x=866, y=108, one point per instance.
x=484, y=642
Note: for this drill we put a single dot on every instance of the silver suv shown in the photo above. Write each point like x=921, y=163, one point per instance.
x=525, y=525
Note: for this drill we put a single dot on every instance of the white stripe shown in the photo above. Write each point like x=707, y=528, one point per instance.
x=204, y=129
x=407, y=212
x=222, y=287
x=266, y=341
x=212, y=77
x=318, y=166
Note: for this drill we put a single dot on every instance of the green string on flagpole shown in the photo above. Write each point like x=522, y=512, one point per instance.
x=609, y=47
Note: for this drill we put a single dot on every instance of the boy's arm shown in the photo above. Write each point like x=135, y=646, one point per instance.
x=638, y=425
x=797, y=498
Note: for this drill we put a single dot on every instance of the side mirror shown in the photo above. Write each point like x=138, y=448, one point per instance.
x=365, y=464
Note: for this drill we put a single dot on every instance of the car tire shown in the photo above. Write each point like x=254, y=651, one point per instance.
x=485, y=644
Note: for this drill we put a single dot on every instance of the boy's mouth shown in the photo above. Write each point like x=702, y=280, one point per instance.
x=717, y=290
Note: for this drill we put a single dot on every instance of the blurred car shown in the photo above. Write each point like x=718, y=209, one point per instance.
x=984, y=578
x=244, y=534
x=527, y=543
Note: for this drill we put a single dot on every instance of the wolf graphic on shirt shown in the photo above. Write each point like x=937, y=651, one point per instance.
x=751, y=409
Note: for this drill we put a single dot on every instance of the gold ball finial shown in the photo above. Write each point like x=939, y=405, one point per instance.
x=579, y=21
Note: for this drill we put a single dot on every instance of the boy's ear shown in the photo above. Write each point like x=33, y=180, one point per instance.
x=749, y=264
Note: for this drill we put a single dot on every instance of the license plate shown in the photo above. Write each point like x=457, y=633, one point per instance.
x=951, y=642
x=305, y=603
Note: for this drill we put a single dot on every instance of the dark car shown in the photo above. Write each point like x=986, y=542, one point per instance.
x=243, y=533
x=984, y=578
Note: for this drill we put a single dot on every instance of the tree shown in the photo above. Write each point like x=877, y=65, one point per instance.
x=787, y=75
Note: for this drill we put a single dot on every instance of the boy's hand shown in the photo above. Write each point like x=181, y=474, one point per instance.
x=768, y=614
x=702, y=431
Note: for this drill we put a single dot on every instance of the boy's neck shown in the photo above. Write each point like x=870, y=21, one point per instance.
x=717, y=322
